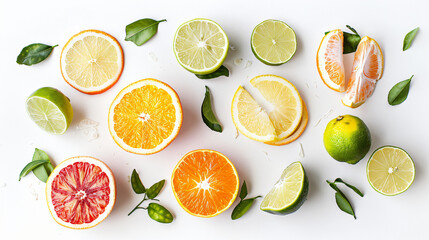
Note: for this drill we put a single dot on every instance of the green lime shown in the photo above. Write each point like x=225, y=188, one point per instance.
x=50, y=109
x=390, y=170
x=200, y=46
x=347, y=139
x=289, y=193
x=273, y=42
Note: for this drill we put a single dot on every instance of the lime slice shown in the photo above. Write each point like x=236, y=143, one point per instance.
x=273, y=42
x=200, y=46
x=50, y=109
x=289, y=193
x=390, y=170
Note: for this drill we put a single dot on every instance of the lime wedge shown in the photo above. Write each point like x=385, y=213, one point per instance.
x=390, y=170
x=273, y=42
x=200, y=46
x=289, y=193
x=50, y=109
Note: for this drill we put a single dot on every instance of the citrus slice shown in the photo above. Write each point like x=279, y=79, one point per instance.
x=289, y=193
x=390, y=170
x=250, y=119
x=145, y=116
x=50, y=109
x=205, y=183
x=92, y=61
x=299, y=130
x=285, y=101
x=80, y=192
x=200, y=46
x=273, y=42
x=329, y=60
x=367, y=70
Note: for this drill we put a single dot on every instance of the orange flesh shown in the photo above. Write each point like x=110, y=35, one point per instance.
x=80, y=193
x=144, y=117
x=333, y=67
x=205, y=183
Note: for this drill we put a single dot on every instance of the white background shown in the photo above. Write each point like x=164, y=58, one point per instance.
x=23, y=210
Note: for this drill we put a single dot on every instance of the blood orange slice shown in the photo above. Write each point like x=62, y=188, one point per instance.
x=80, y=192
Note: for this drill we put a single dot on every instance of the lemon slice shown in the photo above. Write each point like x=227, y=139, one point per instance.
x=200, y=46
x=390, y=170
x=286, y=103
x=250, y=119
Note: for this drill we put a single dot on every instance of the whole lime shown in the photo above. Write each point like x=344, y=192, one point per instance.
x=347, y=139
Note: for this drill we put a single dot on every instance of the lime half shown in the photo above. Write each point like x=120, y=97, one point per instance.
x=289, y=193
x=200, y=46
x=390, y=170
x=273, y=42
x=50, y=109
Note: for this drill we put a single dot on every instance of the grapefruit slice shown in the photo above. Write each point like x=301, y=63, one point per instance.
x=80, y=192
x=367, y=70
x=329, y=60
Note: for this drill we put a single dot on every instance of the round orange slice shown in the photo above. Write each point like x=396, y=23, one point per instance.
x=145, y=116
x=205, y=183
x=80, y=192
x=92, y=61
x=329, y=60
x=367, y=70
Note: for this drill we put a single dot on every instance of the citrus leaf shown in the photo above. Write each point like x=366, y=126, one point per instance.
x=34, y=53
x=351, y=41
x=159, y=213
x=154, y=190
x=350, y=186
x=352, y=29
x=30, y=166
x=399, y=92
x=243, y=191
x=136, y=183
x=344, y=204
x=242, y=208
x=222, y=71
x=409, y=38
x=42, y=172
x=142, y=30
x=207, y=113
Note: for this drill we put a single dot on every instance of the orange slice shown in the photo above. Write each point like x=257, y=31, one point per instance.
x=80, y=192
x=329, y=61
x=367, y=70
x=205, y=183
x=92, y=61
x=145, y=116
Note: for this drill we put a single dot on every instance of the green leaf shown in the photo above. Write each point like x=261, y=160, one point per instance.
x=30, y=166
x=222, y=71
x=34, y=53
x=154, y=190
x=159, y=213
x=352, y=29
x=344, y=204
x=207, y=113
x=243, y=191
x=399, y=92
x=351, y=42
x=409, y=38
x=242, y=208
x=136, y=183
x=142, y=30
x=42, y=172
x=350, y=186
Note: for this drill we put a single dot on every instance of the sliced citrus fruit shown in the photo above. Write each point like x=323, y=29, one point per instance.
x=50, y=109
x=289, y=193
x=145, y=116
x=329, y=60
x=92, y=61
x=367, y=70
x=80, y=192
x=299, y=130
x=285, y=101
x=205, y=183
x=250, y=119
x=390, y=170
x=200, y=46
x=273, y=42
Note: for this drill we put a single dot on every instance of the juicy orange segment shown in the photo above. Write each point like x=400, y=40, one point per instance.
x=329, y=60
x=367, y=70
x=205, y=183
x=145, y=117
